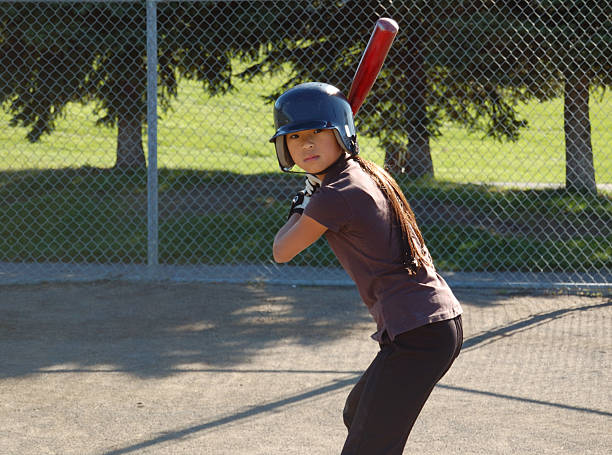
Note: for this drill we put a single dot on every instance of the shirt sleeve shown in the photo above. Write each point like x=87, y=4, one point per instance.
x=328, y=207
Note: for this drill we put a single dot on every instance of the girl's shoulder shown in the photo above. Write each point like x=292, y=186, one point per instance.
x=350, y=174
x=330, y=206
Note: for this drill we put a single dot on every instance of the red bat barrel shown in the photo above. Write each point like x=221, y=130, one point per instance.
x=372, y=61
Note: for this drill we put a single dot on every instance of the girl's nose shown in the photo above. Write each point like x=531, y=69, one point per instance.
x=308, y=142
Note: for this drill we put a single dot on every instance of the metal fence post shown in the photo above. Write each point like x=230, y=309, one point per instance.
x=152, y=187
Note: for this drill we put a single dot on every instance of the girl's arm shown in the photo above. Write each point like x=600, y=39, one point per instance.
x=296, y=235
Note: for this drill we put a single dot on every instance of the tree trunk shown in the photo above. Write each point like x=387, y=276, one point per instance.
x=418, y=162
x=130, y=153
x=394, y=159
x=579, y=169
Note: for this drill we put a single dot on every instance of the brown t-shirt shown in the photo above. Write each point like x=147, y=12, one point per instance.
x=367, y=242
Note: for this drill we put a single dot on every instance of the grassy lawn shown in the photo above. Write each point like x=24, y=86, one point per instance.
x=96, y=215
x=539, y=155
x=59, y=201
x=230, y=133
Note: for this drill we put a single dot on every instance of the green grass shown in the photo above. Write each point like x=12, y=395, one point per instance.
x=231, y=132
x=539, y=155
x=60, y=201
x=90, y=215
x=78, y=215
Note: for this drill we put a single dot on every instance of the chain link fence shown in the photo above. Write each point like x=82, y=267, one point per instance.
x=134, y=135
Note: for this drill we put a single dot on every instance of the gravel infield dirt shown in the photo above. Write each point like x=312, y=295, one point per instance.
x=189, y=368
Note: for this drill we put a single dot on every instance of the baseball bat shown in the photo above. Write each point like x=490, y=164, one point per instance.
x=371, y=61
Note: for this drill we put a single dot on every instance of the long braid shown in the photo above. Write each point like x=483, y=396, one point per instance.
x=416, y=255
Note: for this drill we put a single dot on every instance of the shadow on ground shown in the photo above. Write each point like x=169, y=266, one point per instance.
x=155, y=329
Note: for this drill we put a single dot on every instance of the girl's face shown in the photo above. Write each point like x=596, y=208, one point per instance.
x=314, y=150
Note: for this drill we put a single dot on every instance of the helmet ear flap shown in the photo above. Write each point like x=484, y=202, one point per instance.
x=282, y=153
x=348, y=143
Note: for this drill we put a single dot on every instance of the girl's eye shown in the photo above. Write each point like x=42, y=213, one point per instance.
x=317, y=131
x=293, y=136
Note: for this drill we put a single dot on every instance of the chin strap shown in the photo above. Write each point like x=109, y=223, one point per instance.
x=340, y=158
x=295, y=172
x=324, y=171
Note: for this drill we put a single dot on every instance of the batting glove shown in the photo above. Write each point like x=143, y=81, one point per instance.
x=299, y=203
x=313, y=183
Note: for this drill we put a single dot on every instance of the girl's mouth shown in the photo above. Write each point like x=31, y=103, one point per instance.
x=310, y=158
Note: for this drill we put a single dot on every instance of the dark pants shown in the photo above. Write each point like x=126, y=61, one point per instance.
x=386, y=401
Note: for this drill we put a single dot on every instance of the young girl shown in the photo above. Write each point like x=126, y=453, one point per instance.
x=371, y=228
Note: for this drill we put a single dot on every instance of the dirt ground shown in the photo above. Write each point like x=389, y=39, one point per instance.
x=185, y=368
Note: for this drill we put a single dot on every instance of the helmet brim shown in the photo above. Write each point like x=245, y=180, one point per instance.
x=301, y=126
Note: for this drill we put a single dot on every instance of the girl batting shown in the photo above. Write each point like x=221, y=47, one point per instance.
x=373, y=232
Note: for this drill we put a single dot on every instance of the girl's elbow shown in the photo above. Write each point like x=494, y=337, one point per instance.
x=280, y=256
x=280, y=259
